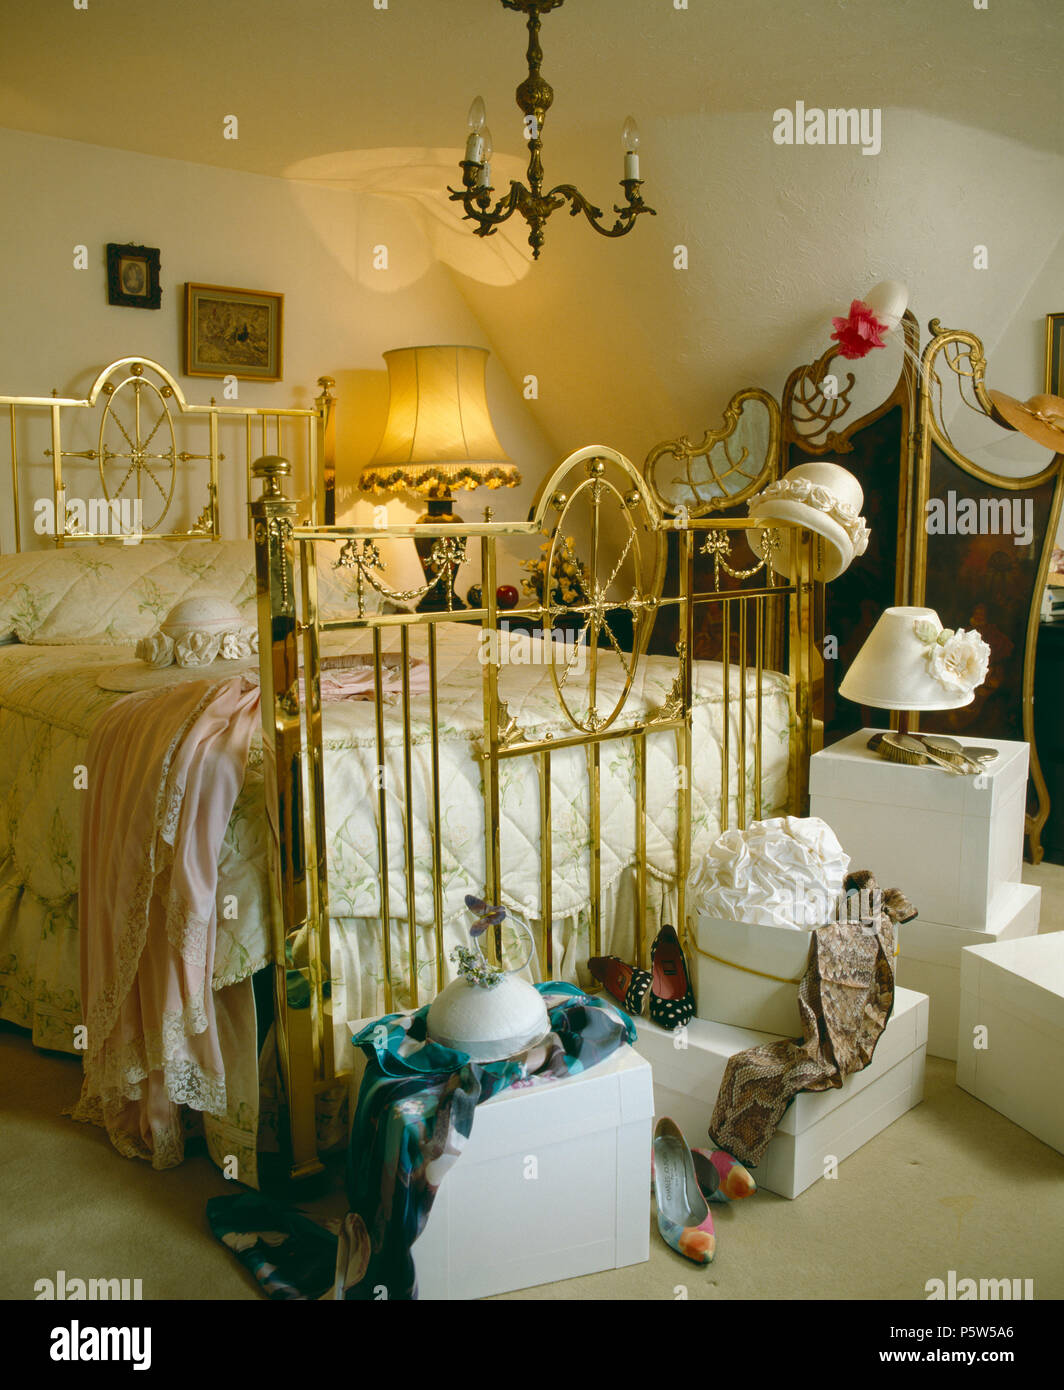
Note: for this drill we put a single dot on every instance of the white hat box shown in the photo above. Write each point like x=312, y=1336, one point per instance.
x=747, y=975
x=817, y=1126
x=1010, y=1051
x=929, y=958
x=950, y=844
x=553, y=1183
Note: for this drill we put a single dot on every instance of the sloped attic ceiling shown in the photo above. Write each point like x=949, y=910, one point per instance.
x=626, y=347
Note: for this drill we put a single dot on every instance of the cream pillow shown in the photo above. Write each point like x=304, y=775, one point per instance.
x=117, y=593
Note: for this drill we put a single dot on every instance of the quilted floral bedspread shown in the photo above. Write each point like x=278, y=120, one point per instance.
x=49, y=701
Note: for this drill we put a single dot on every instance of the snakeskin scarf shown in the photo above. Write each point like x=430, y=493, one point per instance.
x=845, y=998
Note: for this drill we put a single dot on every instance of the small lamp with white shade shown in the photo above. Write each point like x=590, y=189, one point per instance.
x=909, y=662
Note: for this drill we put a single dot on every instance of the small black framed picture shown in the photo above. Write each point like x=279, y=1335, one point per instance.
x=133, y=276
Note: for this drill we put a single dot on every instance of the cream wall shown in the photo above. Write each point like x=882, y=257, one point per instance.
x=223, y=227
x=626, y=348
x=632, y=350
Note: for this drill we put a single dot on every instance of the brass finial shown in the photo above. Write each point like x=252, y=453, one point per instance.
x=270, y=470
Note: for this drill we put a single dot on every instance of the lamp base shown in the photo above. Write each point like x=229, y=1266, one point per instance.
x=435, y=601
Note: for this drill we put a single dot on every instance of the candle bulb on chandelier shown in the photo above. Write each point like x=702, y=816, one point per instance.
x=474, y=150
x=630, y=140
x=484, y=178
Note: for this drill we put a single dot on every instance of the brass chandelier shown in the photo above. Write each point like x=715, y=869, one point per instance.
x=534, y=97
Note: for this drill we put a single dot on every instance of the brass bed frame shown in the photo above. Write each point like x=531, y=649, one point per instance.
x=764, y=620
x=286, y=560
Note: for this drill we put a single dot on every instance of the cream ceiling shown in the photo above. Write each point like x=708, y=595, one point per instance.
x=626, y=348
x=308, y=77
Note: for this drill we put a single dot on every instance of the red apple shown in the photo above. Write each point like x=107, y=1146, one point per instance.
x=506, y=596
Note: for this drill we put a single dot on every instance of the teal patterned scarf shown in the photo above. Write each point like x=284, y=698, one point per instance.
x=414, y=1116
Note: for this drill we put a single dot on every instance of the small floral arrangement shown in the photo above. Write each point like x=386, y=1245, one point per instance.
x=567, y=577
x=958, y=660
x=473, y=967
x=859, y=332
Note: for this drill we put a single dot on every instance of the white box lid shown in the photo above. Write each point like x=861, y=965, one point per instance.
x=849, y=770
x=779, y=951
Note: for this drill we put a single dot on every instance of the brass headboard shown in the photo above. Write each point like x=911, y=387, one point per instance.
x=136, y=472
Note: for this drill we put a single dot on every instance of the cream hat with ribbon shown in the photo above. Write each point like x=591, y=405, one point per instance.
x=1040, y=418
x=826, y=498
x=201, y=638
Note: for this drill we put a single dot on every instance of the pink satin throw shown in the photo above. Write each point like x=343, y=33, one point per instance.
x=165, y=769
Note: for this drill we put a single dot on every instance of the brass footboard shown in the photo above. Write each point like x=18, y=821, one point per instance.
x=764, y=622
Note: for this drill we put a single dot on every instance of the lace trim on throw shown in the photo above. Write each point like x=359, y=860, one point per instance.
x=132, y=933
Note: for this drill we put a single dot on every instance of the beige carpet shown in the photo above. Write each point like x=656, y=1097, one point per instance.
x=951, y=1185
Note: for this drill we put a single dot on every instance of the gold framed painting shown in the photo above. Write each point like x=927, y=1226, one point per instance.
x=1055, y=354
x=231, y=332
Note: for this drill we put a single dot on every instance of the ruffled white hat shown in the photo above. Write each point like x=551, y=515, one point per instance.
x=826, y=498
x=201, y=638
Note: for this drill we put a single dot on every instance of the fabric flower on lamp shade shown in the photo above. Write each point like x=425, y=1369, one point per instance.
x=909, y=661
x=827, y=499
x=439, y=436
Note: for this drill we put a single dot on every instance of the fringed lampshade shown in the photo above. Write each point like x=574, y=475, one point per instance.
x=439, y=436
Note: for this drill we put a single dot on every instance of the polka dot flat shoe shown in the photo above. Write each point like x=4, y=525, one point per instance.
x=672, y=1001
x=625, y=983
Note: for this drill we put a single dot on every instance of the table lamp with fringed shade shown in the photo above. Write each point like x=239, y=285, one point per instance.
x=438, y=438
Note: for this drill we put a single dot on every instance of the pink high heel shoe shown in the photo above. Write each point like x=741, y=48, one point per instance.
x=721, y=1177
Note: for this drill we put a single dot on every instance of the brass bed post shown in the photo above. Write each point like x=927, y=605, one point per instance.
x=294, y=993
x=685, y=651
x=490, y=753
x=57, y=477
x=14, y=481
x=322, y=452
x=799, y=664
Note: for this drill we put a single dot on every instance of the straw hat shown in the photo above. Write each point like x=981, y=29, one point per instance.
x=826, y=498
x=1040, y=418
